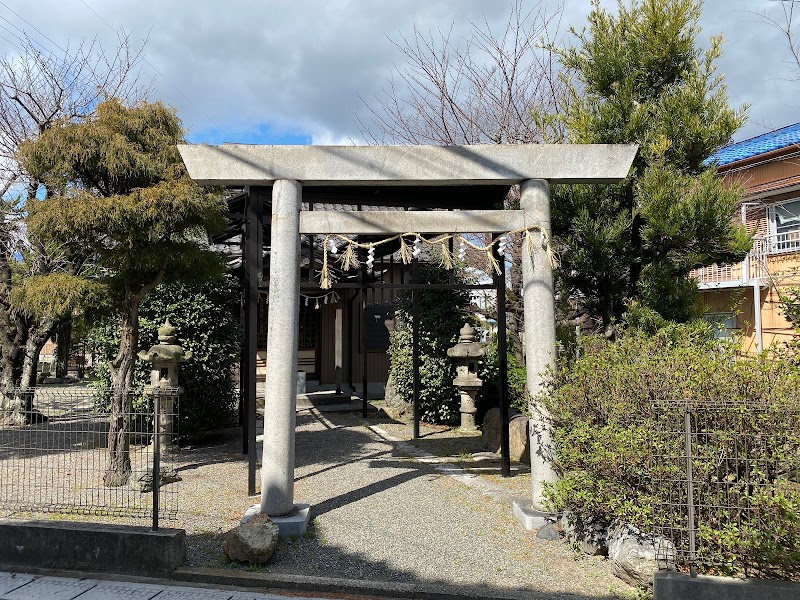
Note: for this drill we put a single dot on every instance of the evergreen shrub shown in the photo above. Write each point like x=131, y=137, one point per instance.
x=609, y=408
x=442, y=314
x=207, y=321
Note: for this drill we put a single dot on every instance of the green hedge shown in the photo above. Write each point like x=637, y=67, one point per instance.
x=442, y=315
x=620, y=405
x=207, y=322
x=489, y=394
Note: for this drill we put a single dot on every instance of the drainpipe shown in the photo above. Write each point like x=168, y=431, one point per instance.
x=757, y=312
x=746, y=264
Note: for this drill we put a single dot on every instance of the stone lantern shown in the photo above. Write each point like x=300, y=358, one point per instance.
x=467, y=352
x=165, y=357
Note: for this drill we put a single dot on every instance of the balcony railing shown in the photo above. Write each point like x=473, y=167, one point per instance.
x=784, y=242
x=754, y=267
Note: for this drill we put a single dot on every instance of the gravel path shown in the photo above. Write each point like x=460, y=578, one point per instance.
x=379, y=514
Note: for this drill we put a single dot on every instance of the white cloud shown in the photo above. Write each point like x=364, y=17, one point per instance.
x=301, y=66
x=328, y=138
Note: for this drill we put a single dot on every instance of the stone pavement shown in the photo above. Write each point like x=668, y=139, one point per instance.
x=17, y=586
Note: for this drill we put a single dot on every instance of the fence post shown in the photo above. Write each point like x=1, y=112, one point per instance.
x=690, y=489
x=156, y=453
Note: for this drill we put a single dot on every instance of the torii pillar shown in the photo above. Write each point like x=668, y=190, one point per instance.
x=280, y=397
x=540, y=334
x=533, y=166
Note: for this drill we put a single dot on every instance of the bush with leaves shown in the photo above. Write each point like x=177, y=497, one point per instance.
x=620, y=404
x=207, y=323
x=489, y=394
x=639, y=74
x=789, y=302
x=442, y=315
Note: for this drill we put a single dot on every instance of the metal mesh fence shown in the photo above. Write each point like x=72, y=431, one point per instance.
x=63, y=449
x=726, y=486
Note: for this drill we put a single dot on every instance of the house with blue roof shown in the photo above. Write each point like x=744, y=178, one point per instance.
x=745, y=296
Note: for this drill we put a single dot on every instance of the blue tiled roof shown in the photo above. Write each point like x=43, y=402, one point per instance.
x=766, y=142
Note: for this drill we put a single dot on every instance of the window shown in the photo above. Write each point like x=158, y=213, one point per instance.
x=784, y=226
x=309, y=318
x=724, y=324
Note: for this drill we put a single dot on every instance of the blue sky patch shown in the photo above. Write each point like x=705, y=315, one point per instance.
x=260, y=134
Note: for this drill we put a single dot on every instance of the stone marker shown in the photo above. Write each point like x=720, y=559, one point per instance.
x=518, y=440
x=394, y=400
x=519, y=449
x=253, y=542
x=636, y=557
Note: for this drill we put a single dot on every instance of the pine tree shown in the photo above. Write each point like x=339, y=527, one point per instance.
x=639, y=77
x=120, y=196
x=39, y=89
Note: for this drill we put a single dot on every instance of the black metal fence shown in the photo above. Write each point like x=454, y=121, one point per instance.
x=727, y=486
x=56, y=447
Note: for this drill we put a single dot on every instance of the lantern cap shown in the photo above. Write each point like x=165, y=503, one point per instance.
x=166, y=350
x=166, y=333
x=467, y=347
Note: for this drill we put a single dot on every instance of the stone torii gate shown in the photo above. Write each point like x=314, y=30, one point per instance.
x=288, y=168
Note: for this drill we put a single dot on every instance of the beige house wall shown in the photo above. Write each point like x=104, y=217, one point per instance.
x=775, y=329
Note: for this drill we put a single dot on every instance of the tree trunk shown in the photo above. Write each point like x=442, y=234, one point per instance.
x=13, y=342
x=16, y=403
x=119, y=465
x=637, y=224
x=64, y=345
x=38, y=334
x=15, y=407
x=12, y=335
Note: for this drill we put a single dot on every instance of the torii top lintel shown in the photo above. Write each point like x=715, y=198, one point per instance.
x=244, y=164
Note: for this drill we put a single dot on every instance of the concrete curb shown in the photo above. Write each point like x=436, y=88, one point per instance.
x=332, y=585
x=277, y=583
x=127, y=549
x=669, y=586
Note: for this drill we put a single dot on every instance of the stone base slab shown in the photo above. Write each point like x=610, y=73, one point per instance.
x=294, y=524
x=678, y=586
x=531, y=518
x=91, y=547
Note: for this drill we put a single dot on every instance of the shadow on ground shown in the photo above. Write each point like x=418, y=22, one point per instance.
x=330, y=447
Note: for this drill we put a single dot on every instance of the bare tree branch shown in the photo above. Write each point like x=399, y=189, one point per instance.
x=39, y=88
x=484, y=89
x=787, y=24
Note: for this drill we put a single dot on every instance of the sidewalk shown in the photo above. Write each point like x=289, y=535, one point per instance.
x=16, y=586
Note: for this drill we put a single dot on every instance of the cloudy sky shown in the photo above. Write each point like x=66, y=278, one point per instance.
x=296, y=71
